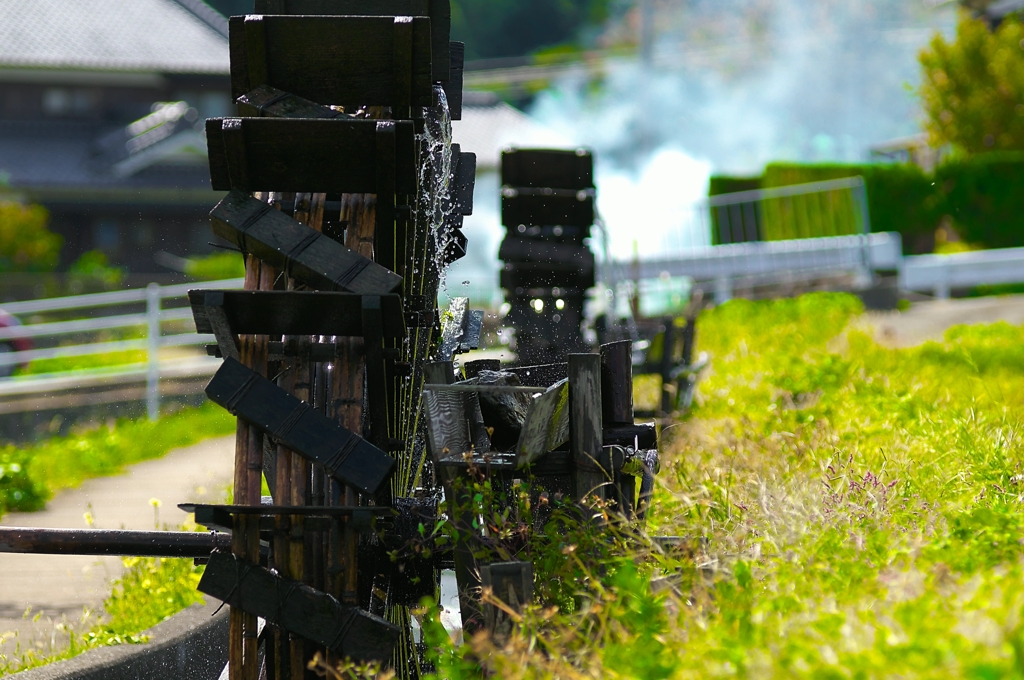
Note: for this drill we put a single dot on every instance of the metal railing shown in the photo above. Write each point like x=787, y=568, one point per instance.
x=770, y=235
x=939, y=274
x=76, y=329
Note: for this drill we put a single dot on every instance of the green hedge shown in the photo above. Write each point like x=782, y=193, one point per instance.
x=724, y=184
x=984, y=196
x=901, y=198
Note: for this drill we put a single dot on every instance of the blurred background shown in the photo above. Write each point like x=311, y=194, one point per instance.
x=899, y=118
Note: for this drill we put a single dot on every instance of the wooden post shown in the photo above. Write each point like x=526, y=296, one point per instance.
x=617, y=410
x=668, y=347
x=585, y=439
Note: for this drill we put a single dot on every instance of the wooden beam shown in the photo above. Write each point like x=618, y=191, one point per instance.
x=585, y=425
x=298, y=608
x=281, y=312
x=304, y=154
x=297, y=426
x=439, y=11
x=551, y=168
x=539, y=209
x=335, y=60
x=313, y=258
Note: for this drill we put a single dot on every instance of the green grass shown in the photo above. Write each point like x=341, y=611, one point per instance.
x=150, y=591
x=849, y=511
x=29, y=476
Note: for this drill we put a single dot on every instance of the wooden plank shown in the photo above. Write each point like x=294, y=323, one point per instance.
x=530, y=275
x=314, y=155
x=538, y=209
x=293, y=312
x=334, y=60
x=298, y=608
x=453, y=85
x=270, y=102
x=542, y=375
x=536, y=252
x=439, y=11
x=546, y=426
x=617, y=383
x=585, y=425
x=297, y=426
x=552, y=168
x=638, y=436
x=313, y=258
x=447, y=425
x=39, y=541
x=463, y=181
x=511, y=584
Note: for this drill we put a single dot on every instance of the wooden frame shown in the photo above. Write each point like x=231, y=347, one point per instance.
x=439, y=11
x=349, y=61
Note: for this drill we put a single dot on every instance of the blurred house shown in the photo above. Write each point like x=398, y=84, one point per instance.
x=101, y=111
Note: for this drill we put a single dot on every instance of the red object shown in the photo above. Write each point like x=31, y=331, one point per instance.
x=19, y=344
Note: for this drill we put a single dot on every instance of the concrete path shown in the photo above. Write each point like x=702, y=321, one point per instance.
x=929, y=320
x=59, y=586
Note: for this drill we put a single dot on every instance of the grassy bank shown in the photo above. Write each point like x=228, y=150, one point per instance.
x=29, y=476
x=849, y=511
x=150, y=591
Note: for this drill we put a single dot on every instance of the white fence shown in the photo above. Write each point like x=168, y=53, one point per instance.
x=151, y=321
x=938, y=274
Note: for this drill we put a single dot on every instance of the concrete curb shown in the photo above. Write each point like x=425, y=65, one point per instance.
x=191, y=645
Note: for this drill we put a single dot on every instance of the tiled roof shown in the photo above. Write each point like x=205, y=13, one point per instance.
x=121, y=35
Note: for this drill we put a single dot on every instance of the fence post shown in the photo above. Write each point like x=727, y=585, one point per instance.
x=723, y=289
x=153, y=351
x=865, y=274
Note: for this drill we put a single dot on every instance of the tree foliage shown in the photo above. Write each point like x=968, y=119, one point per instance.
x=973, y=87
x=509, y=28
x=26, y=245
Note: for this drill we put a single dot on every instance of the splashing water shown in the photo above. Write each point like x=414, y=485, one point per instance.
x=435, y=181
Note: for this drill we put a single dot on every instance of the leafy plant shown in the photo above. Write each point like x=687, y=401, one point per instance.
x=29, y=476
x=847, y=510
x=216, y=266
x=149, y=591
x=95, y=265
x=972, y=88
x=26, y=245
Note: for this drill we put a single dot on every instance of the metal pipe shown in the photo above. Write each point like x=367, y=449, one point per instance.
x=101, y=542
x=153, y=351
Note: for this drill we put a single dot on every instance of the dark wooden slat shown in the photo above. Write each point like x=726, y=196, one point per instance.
x=298, y=608
x=512, y=584
x=210, y=317
x=639, y=436
x=102, y=542
x=537, y=252
x=453, y=85
x=585, y=425
x=293, y=312
x=617, y=383
x=342, y=60
x=297, y=426
x=460, y=331
x=542, y=210
x=385, y=237
x=439, y=11
x=543, y=375
x=270, y=102
x=546, y=426
x=463, y=180
x=313, y=155
x=528, y=275
x=316, y=260
x=553, y=168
